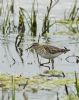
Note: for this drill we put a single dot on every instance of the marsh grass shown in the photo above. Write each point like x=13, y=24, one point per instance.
x=41, y=80
x=21, y=26
x=20, y=37
x=37, y=83
x=7, y=23
x=12, y=7
x=74, y=11
x=45, y=28
x=72, y=21
x=76, y=84
x=0, y=10
x=33, y=21
x=33, y=24
x=73, y=95
x=9, y=81
x=46, y=20
x=6, y=31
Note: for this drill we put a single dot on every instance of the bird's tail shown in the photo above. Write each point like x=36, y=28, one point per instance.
x=66, y=50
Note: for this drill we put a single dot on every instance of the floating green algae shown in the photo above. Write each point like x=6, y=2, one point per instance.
x=37, y=82
x=71, y=97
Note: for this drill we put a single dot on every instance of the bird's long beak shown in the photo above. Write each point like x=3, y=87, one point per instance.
x=28, y=48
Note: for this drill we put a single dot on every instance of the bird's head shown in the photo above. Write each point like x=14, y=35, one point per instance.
x=33, y=46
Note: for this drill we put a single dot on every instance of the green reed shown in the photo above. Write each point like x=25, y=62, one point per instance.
x=73, y=12
x=33, y=21
x=45, y=27
x=12, y=7
x=21, y=26
x=71, y=22
x=73, y=17
x=20, y=36
x=76, y=84
x=6, y=25
x=46, y=20
x=73, y=96
x=0, y=10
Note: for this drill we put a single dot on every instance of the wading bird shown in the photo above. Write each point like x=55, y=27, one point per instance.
x=48, y=52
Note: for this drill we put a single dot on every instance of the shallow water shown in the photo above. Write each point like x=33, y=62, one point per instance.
x=11, y=62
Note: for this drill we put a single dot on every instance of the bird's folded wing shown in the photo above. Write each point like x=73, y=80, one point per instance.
x=52, y=49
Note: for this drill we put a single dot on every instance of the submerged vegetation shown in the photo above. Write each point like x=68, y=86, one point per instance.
x=39, y=82
x=45, y=81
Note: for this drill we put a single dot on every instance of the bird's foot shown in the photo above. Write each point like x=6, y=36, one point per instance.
x=52, y=61
x=44, y=65
x=47, y=67
x=41, y=64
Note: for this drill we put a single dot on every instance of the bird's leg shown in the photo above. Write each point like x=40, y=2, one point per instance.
x=38, y=60
x=52, y=61
x=46, y=62
x=46, y=66
x=43, y=63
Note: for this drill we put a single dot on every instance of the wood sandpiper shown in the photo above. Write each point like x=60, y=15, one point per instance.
x=48, y=52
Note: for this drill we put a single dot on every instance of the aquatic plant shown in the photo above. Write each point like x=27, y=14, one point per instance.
x=33, y=24
x=13, y=88
x=12, y=7
x=20, y=37
x=71, y=96
x=73, y=12
x=33, y=21
x=71, y=21
x=46, y=20
x=76, y=84
x=7, y=23
x=6, y=31
x=1, y=6
x=21, y=26
x=38, y=82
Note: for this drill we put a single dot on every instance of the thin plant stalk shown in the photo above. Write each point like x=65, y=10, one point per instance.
x=76, y=84
x=13, y=88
